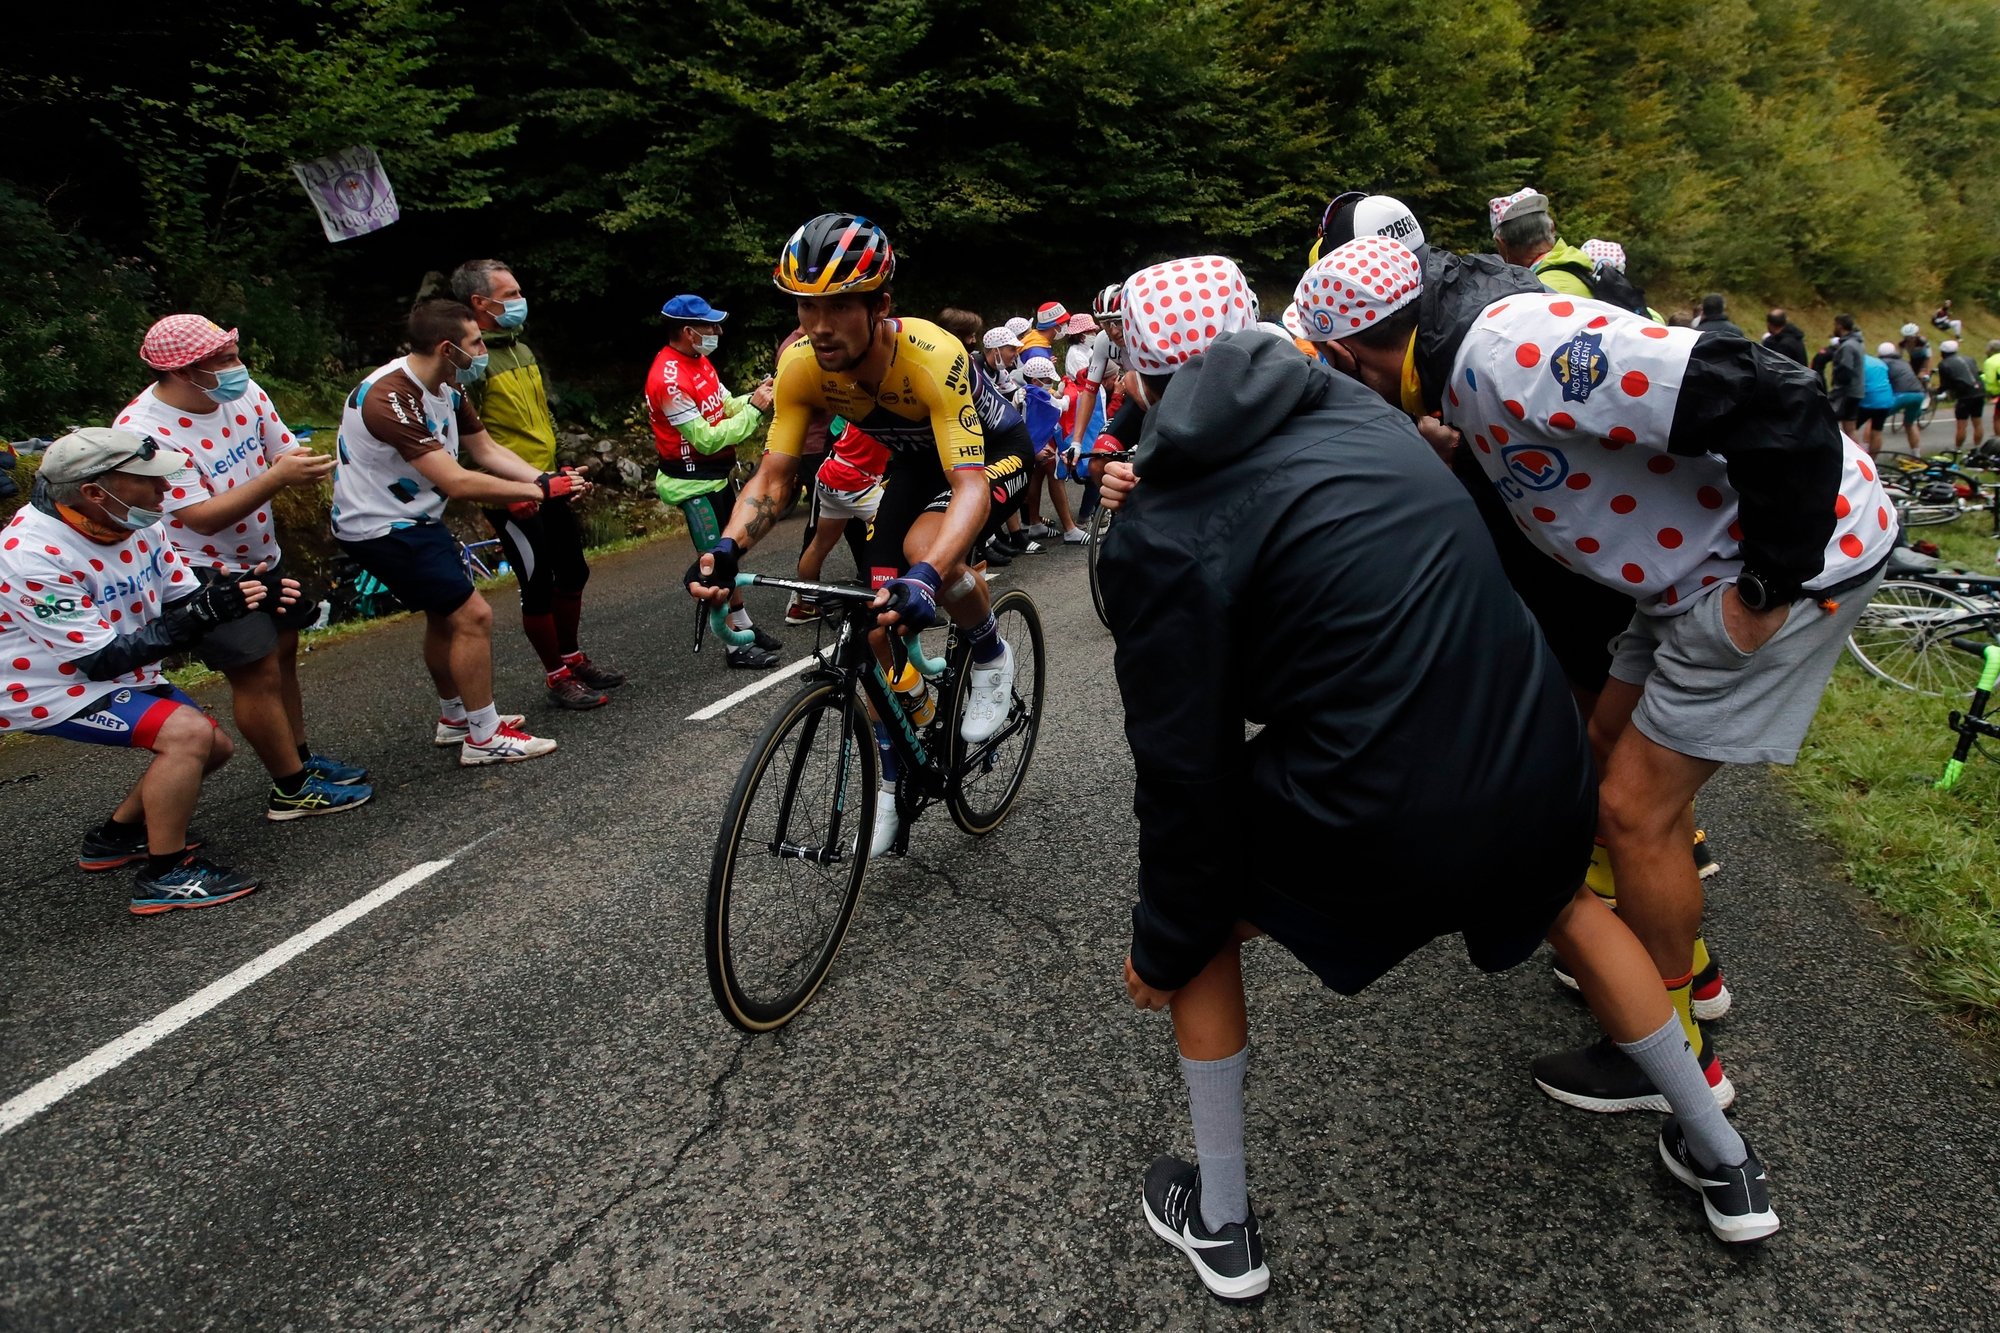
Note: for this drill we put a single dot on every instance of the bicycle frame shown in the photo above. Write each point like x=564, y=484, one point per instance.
x=1972, y=724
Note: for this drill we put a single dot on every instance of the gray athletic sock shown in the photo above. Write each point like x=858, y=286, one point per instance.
x=1215, y=1102
x=1670, y=1062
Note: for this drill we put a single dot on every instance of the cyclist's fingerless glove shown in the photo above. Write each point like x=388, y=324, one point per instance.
x=217, y=602
x=914, y=597
x=725, y=556
x=555, y=485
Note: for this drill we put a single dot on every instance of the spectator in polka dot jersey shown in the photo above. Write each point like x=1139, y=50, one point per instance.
x=92, y=596
x=1699, y=472
x=235, y=455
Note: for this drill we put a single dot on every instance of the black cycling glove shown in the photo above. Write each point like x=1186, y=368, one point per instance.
x=725, y=556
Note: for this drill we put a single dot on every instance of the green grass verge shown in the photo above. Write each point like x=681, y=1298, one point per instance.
x=1930, y=858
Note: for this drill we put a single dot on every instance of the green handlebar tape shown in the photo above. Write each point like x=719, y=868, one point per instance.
x=1990, y=676
x=718, y=618
x=1954, y=769
x=927, y=666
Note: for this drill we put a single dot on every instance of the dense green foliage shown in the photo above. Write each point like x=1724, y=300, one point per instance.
x=617, y=151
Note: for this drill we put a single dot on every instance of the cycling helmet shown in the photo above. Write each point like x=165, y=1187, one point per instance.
x=1110, y=304
x=1910, y=330
x=833, y=255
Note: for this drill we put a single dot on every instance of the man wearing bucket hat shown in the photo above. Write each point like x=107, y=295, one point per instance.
x=92, y=596
x=697, y=425
x=236, y=455
x=1524, y=233
x=1244, y=582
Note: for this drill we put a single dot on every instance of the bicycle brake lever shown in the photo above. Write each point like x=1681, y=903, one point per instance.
x=700, y=625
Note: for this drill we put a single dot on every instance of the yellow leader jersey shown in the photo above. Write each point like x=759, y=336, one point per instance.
x=925, y=399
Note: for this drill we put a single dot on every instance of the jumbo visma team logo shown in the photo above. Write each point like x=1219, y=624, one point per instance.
x=1579, y=366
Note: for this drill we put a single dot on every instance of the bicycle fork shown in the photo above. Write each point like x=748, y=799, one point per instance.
x=1972, y=724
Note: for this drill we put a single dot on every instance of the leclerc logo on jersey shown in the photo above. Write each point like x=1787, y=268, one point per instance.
x=1579, y=366
x=1535, y=466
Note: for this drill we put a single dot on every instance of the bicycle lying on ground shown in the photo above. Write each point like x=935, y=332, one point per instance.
x=794, y=843
x=1908, y=633
x=1972, y=726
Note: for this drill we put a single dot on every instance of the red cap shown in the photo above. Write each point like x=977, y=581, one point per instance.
x=178, y=341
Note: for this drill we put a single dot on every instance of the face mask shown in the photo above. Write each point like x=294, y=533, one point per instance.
x=230, y=384
x=473, y=373
x=707, y=343
x=513, y=313
x=134, y=518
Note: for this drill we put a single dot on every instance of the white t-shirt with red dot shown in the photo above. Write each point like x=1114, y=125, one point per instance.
x=222, y=449
x=64, y=596
x=1567, y=404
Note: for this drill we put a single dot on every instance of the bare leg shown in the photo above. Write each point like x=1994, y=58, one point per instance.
x=469, y=632
x=1644, y=808
x=437, y=653
x=1211, y=1018
x=288, y=671
x=1612, y=969
x=187, y=748
x=825, y=537
x=256, y=694
x=1059, y=497
x=968, y=610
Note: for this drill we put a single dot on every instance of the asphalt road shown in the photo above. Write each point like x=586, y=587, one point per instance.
x=505, y=1099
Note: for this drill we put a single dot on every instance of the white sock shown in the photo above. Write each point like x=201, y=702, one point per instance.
x=452, y=710
x=739, y=619
x=1215, y=1104
x=484, y=722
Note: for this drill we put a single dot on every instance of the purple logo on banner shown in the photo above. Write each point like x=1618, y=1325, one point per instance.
x=351, y=192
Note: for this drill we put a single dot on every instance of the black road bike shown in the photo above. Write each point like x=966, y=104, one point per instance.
x=794, y=842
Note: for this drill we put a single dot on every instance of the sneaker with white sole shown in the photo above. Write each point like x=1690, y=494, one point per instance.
x=988, y=694
x=887, y=824
x=509, y=745
x=1600, y=1077
x=1708, y=994
x=1736, y=1199
x=316, y=796
x=455, y=733
x=1229, y=1262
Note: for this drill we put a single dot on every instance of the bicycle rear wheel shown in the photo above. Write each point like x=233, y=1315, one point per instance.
x=986, y=778
x=789, y=861
x=1100, y=526
x=1896, y=637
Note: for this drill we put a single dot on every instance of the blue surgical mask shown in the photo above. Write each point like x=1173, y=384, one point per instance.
x=134, y=518
x=513, y=313
x=230, y=384
x=707, y=343
x=470, y=374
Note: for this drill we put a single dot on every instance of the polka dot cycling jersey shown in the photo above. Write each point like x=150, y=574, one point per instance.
x=64, y=597
x=230, y=446
x=1568, y=404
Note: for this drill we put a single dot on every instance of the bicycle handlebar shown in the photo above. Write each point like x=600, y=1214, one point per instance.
x=718, y=616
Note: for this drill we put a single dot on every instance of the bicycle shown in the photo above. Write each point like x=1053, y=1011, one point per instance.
x=476, y=567
x=1973, y=726
x=1905, y=635
x=794, y=842
x=1100, y=527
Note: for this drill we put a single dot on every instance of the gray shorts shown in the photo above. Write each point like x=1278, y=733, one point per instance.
x=1707, y=698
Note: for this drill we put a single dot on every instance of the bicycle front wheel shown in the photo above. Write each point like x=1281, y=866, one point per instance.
x=1897, y=636
x=789, y=861
x=1100, y=526
x=986, y=778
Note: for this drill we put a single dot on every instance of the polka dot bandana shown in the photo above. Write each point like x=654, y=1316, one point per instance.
x=1173, y=311
x=1356, y=286
x=1519, y=204
x=1040, y=368
x=1608, y=253
x=1293, y=324
x=178, y=341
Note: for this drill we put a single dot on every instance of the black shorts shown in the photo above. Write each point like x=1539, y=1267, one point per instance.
x=252, y=638
x=1848, y=410
x=546, y=551
x=420, y=564
x=1875, y=418
x=1968, y=409
x=914, y=483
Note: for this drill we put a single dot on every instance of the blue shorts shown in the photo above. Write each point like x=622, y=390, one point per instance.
x=127, y=718
x=420, y=564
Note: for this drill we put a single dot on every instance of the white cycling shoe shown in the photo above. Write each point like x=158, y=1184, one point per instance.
x=887, y=824
x=988, y=694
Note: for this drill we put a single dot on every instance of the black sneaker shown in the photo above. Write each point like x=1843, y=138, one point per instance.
x=770, y=643
x=595, y=676
x=100, y=853
x=751, y=657
x=1230, y=1262
x=566, y=690
x=1008, y=543
x=1600, y=1077
x=1737, y=1199
x=997, y=556
x=192, y=883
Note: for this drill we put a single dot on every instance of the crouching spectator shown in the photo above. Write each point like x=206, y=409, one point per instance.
x=92, y=596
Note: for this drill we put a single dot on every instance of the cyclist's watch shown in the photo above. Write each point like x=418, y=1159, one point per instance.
x=1754, y=591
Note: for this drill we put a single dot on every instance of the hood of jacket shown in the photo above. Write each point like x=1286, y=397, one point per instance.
x=1456, y=288
x=1226, y=402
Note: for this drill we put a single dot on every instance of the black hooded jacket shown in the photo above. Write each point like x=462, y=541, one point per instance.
x=1295, y=556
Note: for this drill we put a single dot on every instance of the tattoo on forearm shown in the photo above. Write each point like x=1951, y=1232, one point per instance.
x=763, y=516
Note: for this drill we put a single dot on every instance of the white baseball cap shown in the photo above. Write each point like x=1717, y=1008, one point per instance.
x=1887, y=349
x=1948, y=346
x=1910, y=331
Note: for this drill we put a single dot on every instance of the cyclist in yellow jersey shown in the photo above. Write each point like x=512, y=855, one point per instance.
x=958, y=452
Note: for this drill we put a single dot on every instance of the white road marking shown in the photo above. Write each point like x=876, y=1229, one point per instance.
x=20, y=1109
x=729, y=701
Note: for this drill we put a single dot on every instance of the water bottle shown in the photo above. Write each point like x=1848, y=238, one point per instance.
x=916, y=692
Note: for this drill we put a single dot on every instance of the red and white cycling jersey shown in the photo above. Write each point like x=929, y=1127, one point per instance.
x=856, y=462
x=1567, y=404
x=681, y=389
